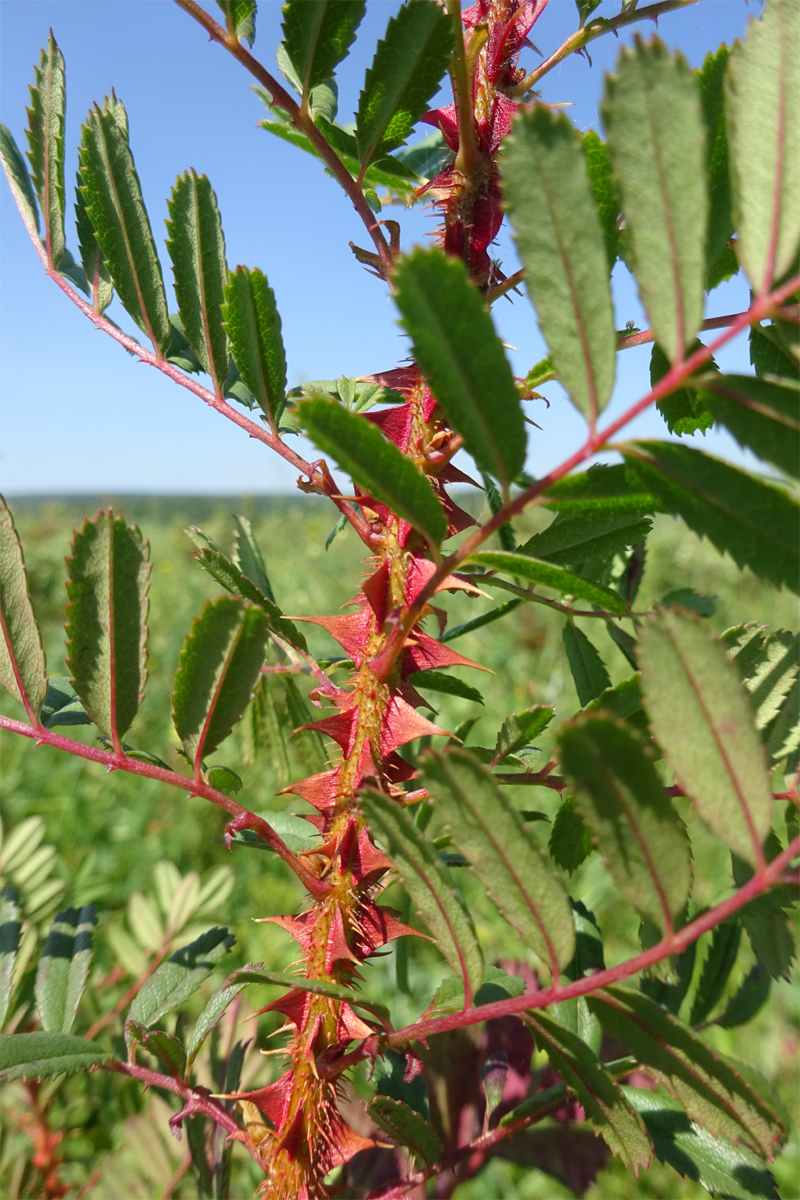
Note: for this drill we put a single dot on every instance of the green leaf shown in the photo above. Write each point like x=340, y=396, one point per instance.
x=74, y=272
x=178, y=977
x=503, y=854
x=106, y=620
x=700, y=715
x=548, y=575
x=520, y=728
x=720, y=961
x=748, y=1000
x=624, y=699
x=428, y=884
x=600, y=488
x=376, y=464
x=196, y=246
x=563, y=252
x=248, y=557
x=656, y=133
x=10, y=930
x=64, y=968
x=209, y=1017
x=45, y=1055
x=685, y=410
x=497, y=985
x=710, y=1091
x=588, y=958
x=755, y=522
x=600, y=1095
x=784, y=736
x=217, y=671
x=761, y=414
x=318, y=35
x=408, y=65
x=769, y=353
x=587, y=667
x=571, y=838
x=115, y=207
x=437, y=681
x=604, y=191
x=166, y=1048
x=576, y=537
x=22, y=665
x=721, y=1168
x=252, y=323
x=463, y=360
x=264, y=733
x=768, y=924
x=407, y=1127
x=704, y=606
x=642, y=839
x=505, y=533
x=762, y=104
x=711, y=78
x=61, y=705
x=18, y=179
x=46, y=146
x=240, y=18
x=585, y=9
x=494, y=614
x=772, y=678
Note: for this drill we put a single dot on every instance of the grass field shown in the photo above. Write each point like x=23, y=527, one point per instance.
x=111, y=830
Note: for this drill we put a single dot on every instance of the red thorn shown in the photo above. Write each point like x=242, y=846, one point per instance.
x=338, y=949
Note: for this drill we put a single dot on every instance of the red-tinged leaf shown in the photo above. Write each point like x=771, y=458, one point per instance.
x=106, y=621
x=46, y=142
x=701, y=716
x=219, y=665
x=22, y=665
x=711, y=1091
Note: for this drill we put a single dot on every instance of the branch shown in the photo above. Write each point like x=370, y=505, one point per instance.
x=491, y=580
x=243, y=818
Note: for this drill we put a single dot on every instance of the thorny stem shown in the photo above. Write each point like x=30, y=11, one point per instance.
x=589, y=33
x=468, y=152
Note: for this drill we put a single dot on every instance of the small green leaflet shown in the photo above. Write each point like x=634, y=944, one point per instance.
x=64, y=968
x=463, y=359
x=376, y=464
x=605, y=192
x=571, y=839
x=46, y=146
x=254, y=973
x=45, y=1055
x=548, y=575
x=107, y=620
x=10, y=930
x=710, y=1091
x=748, y=1000
x=575, y=538
x=624, y=699
x=769, y=352
x=519, y=729
x=563, y=252
x=599, y=1094
x=217, y=671
x=700, y=714
x=684, y=409
x=762, y=414
x=166, y=1048
x=248, y=557
x=757, y=523
x=429, y=885
x=18, y=179
x=762, y=103
x=503, y=854
x=494, y=614
x=601, y=488
x=116, y=209
x=22, y=665
x=252, y=323
x=196, y=245
x=317, y=35
x=622, y=799
x=240, y=19
x=497, y=985
x=656, y=133
x=711, y=78
x=407, y=1127
x=720, y=961
x=209, y=1017
x=177, y=978
x=437, y=681
x=587, y=667
x=409, y=63
x=98, y=279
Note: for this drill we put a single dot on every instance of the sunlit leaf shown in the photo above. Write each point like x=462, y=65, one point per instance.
x=587, y=667
x=44, y=1055
x=10, y=930
x=240, y=18
x=18, y=179
x=407, y=1127
x=520, y=728
x=761, y=414
x=576, y=537
x=22, y=665
x=177, y=978
x=46, y=146
x=318, y=35
x=253, y=324
x=549, y=575
x=720, y=961
x=64, y=968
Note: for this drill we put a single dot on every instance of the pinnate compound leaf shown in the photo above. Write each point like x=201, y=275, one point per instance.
x=10, y=931
x=503, y=854
x=218, y=669
x=656, y=133
x=22, y=665
x=317, y=35
x=755, y=522
x=762, y=414
x=178, y=977
x=407, y=1127
x=520, y=728
x=409, y=63
x=45, y=1055
x=253, y=325
x=700, y=714
x=622, y=799
x=587, y=667
x=763, y=115
x=376, y=464
x=115, y=207
x=240, y=18
x=46, y=146
x=106, y=620
x=562, y=250
x=18, y=179
x=710, y=1090
x=429, y=886
x=64, y=968
x=546, y=574
x=722, y=1168
x=463, y=360
x=575, y=538
x=601, y=1097
x=196, y=245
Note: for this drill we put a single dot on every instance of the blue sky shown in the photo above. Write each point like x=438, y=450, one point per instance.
x=79, y=415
